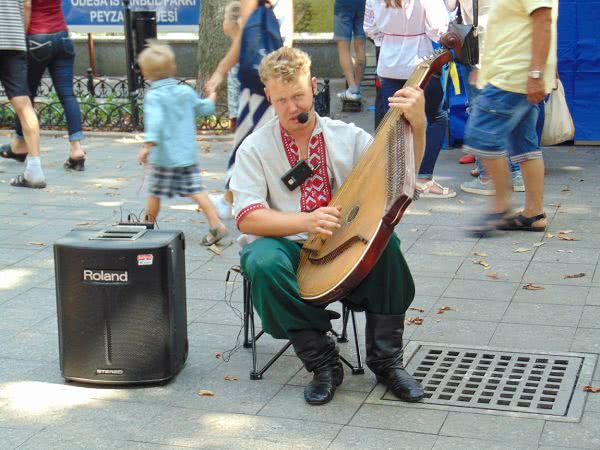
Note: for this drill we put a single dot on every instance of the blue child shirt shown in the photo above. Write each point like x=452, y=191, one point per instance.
x=170, y=111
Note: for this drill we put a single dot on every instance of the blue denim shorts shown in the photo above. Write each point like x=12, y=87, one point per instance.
x=348, y=18
x=502, y=123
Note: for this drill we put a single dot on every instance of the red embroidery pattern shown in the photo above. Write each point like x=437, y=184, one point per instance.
x=316, y=190
x=247, y=210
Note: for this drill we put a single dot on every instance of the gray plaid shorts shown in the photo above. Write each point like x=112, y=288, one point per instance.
x=171, y=181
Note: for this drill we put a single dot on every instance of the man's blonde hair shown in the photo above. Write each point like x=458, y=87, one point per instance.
x=158, y=61
x=285, y=64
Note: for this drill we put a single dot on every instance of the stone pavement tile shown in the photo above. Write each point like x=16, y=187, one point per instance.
x=554, y=273
x=26, y=310
x=428, y=264
x=399, y=418
x=577, y=225
x=455, y=331
x=593, y=297
x=359, y=382
x=215, y=270
x=442, y=248
x=430, y=286
x=217, y=430
x=458, y=443
x=506, y=270
x=371, y=439
x=553, y=294
x=468, y=309
x=566, y=255
x=290, y=403
x=31, y=345
x=15, y=280
x=507, y=430
x=503, y=250
x=585, y=434
x=585, y=241
x=240, y=365
x=10, y=256
x=446, y=233
x=586, y=340
x=590, y=317
x=543, y=314
x=533, y=337
x=45, y=440
x=225, y=314
x=205, y=288
x=197, y=309
x=592, y=402
x=15, y=369
x=11, y=438
x=481, y=290
x=421, y=302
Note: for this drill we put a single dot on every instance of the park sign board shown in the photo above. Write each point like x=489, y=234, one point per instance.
x=106, y=16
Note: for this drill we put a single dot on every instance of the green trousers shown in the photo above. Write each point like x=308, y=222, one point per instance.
x=270, y=264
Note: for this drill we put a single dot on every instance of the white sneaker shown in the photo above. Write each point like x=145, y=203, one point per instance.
x=348, y=95
x=518, y=183
x=224, y=209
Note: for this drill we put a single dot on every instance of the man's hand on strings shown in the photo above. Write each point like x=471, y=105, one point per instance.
x=411, y=102
x=324, y=220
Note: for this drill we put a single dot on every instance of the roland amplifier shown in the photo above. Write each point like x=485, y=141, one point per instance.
x=121, y=305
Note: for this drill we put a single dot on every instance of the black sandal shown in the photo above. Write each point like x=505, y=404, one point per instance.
x=522, y=223
x=21, y=181
x=486, y=224
x=75, y=164
x=6, y=152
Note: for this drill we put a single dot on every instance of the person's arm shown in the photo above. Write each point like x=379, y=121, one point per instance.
x=233, y=54
x=436, y=19
x=269, y=222
x=204, y=106
x=153, y=118
x=26, y=14
x=452, y=5
x=370, y=24
x=540, y=46
x=411, y=102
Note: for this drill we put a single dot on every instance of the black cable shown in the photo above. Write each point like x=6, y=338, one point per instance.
x=226, y=355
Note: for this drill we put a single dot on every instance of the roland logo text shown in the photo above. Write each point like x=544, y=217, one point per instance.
x=105, y=276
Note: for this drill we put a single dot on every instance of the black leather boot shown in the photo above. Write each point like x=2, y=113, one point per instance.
x=318, y=353
x=384, y=355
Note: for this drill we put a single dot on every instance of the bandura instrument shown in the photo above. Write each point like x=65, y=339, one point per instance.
x=372, y=200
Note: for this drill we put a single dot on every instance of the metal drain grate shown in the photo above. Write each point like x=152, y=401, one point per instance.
x=504, y=381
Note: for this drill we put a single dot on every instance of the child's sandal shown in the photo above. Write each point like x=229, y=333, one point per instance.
x=214, y=235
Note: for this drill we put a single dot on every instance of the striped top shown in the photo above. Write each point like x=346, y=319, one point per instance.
x=12, y=32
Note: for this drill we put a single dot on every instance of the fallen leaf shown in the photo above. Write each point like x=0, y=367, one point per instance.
x=533, y=287
x=415, y=321
x=539, y=244
x=231, y=378
x=480, y=262
x=493, y=275
x=114, y=187
x=549, y=236
x=39, y=244
x=416, y=309
x=521, y=250
x=575, y=275
x=414, y=230
x=565, y=232
x=564, y=237
x=556, y=205
x=462, y=202
x=217, y=355
x=565, y=189
x=85, y=224
x=564, y=251
x=205, y=393
x=591, y=389
x=482, y=254
x=443, y=309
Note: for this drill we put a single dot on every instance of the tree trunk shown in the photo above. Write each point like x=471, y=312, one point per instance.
x=212, y=43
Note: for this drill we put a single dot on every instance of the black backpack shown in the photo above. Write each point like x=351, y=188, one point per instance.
x=260, y=37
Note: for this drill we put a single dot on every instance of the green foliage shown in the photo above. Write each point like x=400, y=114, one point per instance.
x=313, y=16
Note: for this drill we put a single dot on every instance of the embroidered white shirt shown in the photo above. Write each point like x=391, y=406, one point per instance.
x=407, y=33
x=262, y=160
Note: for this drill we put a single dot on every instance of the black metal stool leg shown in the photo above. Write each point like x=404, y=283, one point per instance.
x=359, y=369
x=247, y=309
x=343, y=338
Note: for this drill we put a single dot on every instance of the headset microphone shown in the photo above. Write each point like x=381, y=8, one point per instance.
x=303, y=117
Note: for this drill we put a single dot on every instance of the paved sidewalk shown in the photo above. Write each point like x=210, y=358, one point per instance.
x=38, y=410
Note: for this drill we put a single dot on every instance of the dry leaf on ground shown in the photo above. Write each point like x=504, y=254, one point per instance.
x=549, y=236
x=493, y=275
x=218, y=355
x=482, y=254
x=564, y=251
x=443, y=309
x=565, y=189
x=591, y=389
x=415, y=321
x=565, y=232
x=533, y=287
x=206, y=393
x=412, y=308
x=575, y=275
x=231, y=378
x=564, y=237
x=556, y=205
x=480, y=262
x=521, y=250
x=38, y=244
x=539, y=244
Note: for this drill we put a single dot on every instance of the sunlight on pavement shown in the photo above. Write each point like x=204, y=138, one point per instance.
x=13, y=278
x=38, y=398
